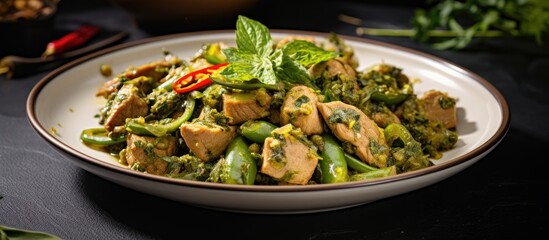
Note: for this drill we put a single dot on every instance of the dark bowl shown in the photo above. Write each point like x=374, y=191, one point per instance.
x=27, y=37
x=172, y=16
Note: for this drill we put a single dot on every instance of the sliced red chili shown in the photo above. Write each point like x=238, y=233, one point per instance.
x=196, y=80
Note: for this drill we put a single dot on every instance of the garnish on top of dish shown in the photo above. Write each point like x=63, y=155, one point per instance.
x=292, y=111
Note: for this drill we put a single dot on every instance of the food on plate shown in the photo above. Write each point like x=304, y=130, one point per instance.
x=292, y=111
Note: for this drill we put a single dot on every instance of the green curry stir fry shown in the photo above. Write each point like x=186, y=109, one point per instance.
x=293, y=111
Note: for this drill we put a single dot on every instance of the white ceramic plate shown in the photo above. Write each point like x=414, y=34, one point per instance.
x=62, y=104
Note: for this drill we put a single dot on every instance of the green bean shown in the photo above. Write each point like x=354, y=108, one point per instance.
x=332, y=165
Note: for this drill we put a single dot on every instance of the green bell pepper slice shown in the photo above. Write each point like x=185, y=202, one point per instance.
x=158, y=129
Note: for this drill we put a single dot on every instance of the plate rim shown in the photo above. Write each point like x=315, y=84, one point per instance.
x=483, y=148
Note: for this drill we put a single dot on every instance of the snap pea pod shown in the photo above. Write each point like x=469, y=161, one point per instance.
x=390, y=98
x=378, y=173
x=357, y=164
x=98, y=136
x=157, y=129
x=257, y=130
x=332, y=165
x=241, y=167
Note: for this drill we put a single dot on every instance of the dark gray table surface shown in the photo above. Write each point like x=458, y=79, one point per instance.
x=503, y=196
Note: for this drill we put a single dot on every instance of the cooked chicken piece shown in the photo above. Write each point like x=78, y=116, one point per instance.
x=144, y=153
x=207, y=141
x=350, y=125
x=288, y=160
x=299, y=108
x=127, y=104
x=438, y=106
x=108, y=88
x=149, y=70
x=339, y=78
x=333, y=68
x=243, y=106
x=380, y=113
x=383, y=119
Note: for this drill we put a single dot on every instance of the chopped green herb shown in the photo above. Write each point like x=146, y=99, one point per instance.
x=347, y=116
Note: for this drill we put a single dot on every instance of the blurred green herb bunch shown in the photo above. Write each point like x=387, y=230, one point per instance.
x=453, y=24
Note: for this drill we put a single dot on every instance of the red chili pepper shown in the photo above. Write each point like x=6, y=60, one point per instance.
x=71, y=40
x=196, y=80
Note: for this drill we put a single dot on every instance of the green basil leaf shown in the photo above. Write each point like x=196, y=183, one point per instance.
x=289, y=70
x=253, y=37
x=307, y=53
x=247, y=66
